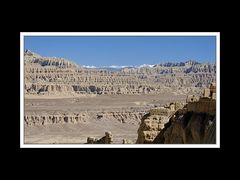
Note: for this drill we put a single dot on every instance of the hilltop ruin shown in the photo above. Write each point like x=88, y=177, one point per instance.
x=62, y=97
x=193, y=123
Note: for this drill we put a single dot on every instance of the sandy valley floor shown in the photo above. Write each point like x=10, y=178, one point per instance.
x=78, y=133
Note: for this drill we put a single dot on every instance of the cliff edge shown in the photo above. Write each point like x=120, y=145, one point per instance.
x=194, y=123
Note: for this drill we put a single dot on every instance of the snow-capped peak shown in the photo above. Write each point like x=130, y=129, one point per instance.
x=145, y=65
x=117, y=66
x=89, y=67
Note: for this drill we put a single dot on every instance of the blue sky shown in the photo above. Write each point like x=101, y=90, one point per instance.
x=106, y=51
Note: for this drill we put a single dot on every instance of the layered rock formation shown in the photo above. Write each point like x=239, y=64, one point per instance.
x=55, y=118
x=107, y=139
x=153, y=122
x=37, y=118
x=195, y=123
x=38, y=61
x=58, y=76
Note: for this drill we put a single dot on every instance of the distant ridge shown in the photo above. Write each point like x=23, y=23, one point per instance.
x=52, y=75
x=45, y=61
x=35, y=58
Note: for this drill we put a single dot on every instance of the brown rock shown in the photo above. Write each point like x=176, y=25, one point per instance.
x=195, y=125
x=107, y=139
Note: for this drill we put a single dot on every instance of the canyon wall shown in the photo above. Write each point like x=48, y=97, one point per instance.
x=195, y=123
x=41, y=118
x=51, y=75
x=153, y=122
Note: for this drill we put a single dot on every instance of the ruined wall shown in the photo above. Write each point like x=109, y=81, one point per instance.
x=176, y=123
x=194, y=124
x=204, y=105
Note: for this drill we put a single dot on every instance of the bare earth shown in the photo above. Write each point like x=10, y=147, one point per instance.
x=78, y=133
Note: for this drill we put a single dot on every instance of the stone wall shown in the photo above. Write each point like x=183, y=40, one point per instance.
x=193, y=124
x=204, y=105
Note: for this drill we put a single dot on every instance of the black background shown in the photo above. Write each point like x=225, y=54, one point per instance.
x=179, y=162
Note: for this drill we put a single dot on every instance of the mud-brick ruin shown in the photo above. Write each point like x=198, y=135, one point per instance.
x=192, y=123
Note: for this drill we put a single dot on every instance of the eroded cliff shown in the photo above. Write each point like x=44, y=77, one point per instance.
x=153, y=122
x=58, y=76
x=37, y=118
x=195, y=123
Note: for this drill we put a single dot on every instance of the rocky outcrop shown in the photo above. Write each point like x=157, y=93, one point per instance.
x=59, y=118
x=210, y=135
x=51, y=75
x=122, y=117
x=127, y=141
x=36, y=119
x=107, y=139
x=194, y=124
x=33, y=58
x=48, y=89
x=192, y=98
x=153, y=122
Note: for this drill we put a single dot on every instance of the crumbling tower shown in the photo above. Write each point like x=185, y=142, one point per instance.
x=210, y=92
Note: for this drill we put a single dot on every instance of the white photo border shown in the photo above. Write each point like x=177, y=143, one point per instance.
x=23, y=34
